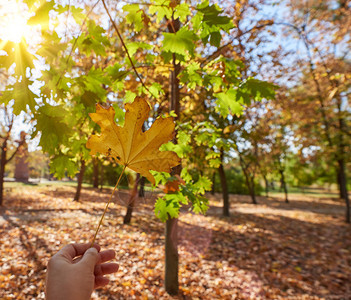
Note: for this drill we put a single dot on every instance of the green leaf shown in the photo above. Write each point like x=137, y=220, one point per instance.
x=134, y=16
x=227, y=103
x=129, y=97
x=119, y=114
x=182, y=42
x=22, y=96
x=42, y=15
x=94, y=41
x=203, y=185
x=215, y=39
x=162, y=9
x=167, y=207
x=53, y=128
x=61, y=164
x=182, y=11
x=134, y=46
x=160, y=177
x=211, y=16
x=259, y=89
x=156, y=89
x=191, y=75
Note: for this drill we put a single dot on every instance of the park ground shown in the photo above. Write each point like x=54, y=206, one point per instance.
x=273, y=250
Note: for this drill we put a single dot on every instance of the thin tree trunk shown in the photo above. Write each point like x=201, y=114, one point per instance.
x=2, y=172
x=213, y=183
x=142, y=187
x=225, y=194
x=131, y=201
x=95, y=173
x=101, y=176
x=343, y=187
x=252, y=190
x=250, y=187
x=171, y=232
x=341, y=161
x=80, y=180
x=266, y=184
x=171, y=257
x=283, y=184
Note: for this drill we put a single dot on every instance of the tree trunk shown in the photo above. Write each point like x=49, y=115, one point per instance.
x=80, y=180
x=252, y=190
x=225, y=194
x=171, y=232
x=95, y=173
x=213, y=183
x=101, y=177
x=343, y=187
x=249, y=183
x=2, y=172
x=172, y=259
x=266, y=183
x=131, y=201
x=283, y=185
x=142, y=187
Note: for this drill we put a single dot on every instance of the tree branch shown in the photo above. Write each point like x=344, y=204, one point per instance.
x=215, y=54
x=125, y=48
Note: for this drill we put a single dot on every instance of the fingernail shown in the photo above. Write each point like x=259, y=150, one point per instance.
x=93, y=249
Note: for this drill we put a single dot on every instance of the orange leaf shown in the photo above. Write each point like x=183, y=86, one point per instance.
x=128, y=145
x=173, y=186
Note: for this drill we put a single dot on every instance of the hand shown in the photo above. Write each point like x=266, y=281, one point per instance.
x=75, y=271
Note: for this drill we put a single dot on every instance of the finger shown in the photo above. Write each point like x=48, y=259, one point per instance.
x=104, y=269
x=72, y=250
x=106, y=255
x=90, y=258
x=100, y=281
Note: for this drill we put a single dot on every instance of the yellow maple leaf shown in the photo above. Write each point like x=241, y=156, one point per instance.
x=129, y=145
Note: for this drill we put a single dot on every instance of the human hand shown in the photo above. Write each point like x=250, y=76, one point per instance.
x=74, y=272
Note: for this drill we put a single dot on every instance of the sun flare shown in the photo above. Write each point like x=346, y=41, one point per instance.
x=13, y=22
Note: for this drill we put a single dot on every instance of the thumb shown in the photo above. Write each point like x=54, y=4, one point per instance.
x=90, y=258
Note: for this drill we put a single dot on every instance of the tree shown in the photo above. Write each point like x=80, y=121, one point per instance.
x=16, y=96
x=161, y=49
x=7, y=145
x=324, y=81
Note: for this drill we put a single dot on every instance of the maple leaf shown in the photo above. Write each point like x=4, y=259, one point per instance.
x=129, y=145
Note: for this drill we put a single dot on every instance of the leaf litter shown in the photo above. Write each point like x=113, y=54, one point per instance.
x=272, y=250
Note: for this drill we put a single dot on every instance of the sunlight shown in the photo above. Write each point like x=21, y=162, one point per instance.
x=13, y=22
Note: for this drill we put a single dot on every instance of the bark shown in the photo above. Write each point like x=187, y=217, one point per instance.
x=171, y=232
x=283, y=185
x=341, y=162
x=213, y=183
x=142, y=187
x=101, y=177
x=5, y=160
x=131, y=201
x=343, y=187
x=266, y=183
x=225, y=194
x=80, y=180
x=172, y=259
x=95, y=173
x=249, y=182
x=2, y=172
x=250, y=186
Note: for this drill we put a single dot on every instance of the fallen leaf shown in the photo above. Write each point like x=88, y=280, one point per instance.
x=129, y=145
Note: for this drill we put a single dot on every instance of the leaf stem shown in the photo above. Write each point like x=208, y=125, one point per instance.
x=106, y=207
